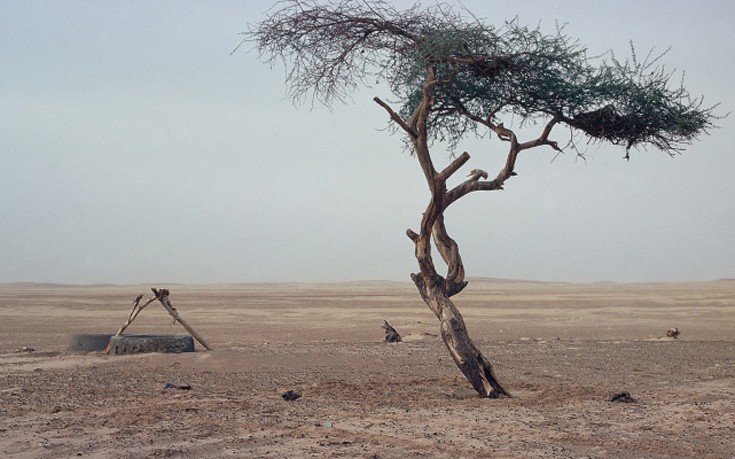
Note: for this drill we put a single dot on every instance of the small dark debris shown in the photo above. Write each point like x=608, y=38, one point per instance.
x=623, y=397
x=26, y=349
x=291, y=395
x=673, y=333
x=177, y=386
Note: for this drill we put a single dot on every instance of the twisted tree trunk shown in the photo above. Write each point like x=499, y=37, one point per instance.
x=470, y=361
x=436, y=290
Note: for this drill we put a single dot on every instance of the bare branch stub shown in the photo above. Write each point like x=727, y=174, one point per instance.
x=391, y=335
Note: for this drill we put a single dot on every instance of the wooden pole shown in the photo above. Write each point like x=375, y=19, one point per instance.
x=162, y=297
x=137, y=307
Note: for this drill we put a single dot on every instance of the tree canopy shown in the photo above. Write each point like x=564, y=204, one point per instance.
x=483, y=73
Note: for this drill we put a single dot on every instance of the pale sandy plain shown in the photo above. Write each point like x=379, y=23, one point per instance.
x=562, y=350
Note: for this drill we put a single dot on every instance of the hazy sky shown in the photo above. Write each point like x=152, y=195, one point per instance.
x=135, y=149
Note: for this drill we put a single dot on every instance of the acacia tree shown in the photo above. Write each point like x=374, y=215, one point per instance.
x=455, y=76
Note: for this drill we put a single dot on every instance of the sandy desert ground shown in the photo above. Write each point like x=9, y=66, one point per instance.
x=562, y=350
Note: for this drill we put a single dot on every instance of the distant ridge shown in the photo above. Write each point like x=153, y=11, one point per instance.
x=41, y=285
x=500, y=280
x=374, y=283
x=146, y=286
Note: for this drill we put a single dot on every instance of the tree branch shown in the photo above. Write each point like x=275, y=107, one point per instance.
x=418, y=121
x=427, y=100
x=397, y=118
x=449, y=251
x=453, y=166
x=543, y=139
x=412, y=235
x=468, y=186
x=474, y=184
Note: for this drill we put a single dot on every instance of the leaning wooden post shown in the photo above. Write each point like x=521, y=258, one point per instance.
x=162, y=296
x=137, y=307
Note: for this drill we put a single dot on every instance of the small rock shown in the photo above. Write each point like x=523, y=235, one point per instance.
x=26, y=349
x=623, y=397
x=177, y=386
x=673, y=333
x=291, y=395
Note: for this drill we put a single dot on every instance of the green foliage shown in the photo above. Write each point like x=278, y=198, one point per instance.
x=638, y=106
x=484, y=73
